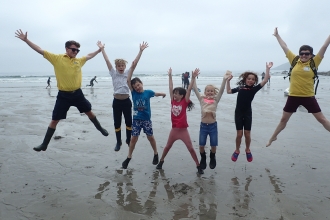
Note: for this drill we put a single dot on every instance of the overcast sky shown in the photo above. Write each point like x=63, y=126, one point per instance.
x=213, y=35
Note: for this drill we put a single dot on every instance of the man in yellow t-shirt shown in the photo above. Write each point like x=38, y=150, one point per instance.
x=69, y=77
x=301, y=85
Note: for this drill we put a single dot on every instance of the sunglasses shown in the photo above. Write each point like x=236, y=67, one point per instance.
x=306, y=54
x=74, y=50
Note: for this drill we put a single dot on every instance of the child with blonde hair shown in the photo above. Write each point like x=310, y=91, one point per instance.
x=121, y=103
x=208, y=127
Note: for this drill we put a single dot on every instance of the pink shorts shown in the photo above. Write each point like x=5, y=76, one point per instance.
x=310, y=103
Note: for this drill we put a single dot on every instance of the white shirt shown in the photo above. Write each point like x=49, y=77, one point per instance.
x=119, y=81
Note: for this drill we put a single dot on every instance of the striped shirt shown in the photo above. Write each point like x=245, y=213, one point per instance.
x=119, y=81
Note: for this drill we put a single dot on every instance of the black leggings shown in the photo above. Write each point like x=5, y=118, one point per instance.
x=122, y=107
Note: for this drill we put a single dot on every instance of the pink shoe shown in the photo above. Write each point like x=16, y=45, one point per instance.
x=234, y=156
x=249, y=156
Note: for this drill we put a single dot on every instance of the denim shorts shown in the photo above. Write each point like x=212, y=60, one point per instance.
x=211, y=130
x=139, y=124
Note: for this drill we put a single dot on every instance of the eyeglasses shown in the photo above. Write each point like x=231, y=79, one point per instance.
x=306, y=54
x=74, y=50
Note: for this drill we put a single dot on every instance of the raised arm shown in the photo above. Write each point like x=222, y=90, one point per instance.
x=143, y=46
x=19, y=34
x=129, y=77
x=195, y=73
x=324, y=47
x=223, y=84
x=93, y=54
x=107, y=61
x=267, y=76
x=280, y=41
x=228, y=84
x=195, y=87
x=170, y=83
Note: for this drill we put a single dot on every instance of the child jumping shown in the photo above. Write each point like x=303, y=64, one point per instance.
x=121, y=104
x=141, y=116
x=208, y=127
x=179, y=103
x=247, y=88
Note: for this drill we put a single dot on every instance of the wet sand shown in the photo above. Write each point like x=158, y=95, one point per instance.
x=80, y=174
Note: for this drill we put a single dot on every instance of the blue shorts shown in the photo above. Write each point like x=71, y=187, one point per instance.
x=211, y=130
x=139, y=124
x=67, y=99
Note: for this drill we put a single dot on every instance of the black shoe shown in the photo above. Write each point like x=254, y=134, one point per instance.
x=41, y=147
x=117, y=148
x=160, y=165
x=128, y=141
x=104, y=132
x=200, y=170
x=203, y=160
x=155, y=160
x=125, y=163
x=213, y=162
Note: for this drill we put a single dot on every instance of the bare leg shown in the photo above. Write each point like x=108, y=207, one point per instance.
x=238, y=139
x=322, y=119
x=132, y=144
x=153, y=143
x=201, y=149
x=247, y=135
x=284, y=120
x=53, y=124
x=214, y=149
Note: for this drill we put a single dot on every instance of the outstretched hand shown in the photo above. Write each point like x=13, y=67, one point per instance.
x=269, y=65
x=143, y=46
x=275, y=32
x=169, y=72
x=195, y=73
x=229, y=77
x=227, y=74
x=19, y=34
x=100, y=45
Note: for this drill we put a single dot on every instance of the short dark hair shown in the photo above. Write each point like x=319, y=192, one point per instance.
x=183, y=92
x=72, y=42
x=135, y=80
x=306, y=47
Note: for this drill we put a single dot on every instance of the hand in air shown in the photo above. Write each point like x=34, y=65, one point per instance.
x=275, y=32
x=227, y=74
x=19, y=34
x=269, y=65
x=100, y=45
x=230, y=77
x=143, y=46
x=195, y=73
x=169, y=72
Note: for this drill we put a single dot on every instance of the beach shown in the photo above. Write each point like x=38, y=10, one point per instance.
x=80, y=174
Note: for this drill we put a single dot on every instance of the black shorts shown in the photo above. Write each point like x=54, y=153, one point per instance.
x=243, y=120
x=310, y=103
x=67, y=99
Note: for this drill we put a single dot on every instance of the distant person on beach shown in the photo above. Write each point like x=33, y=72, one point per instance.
x=121, y=104
x=69, y=76
x=208, y=127
x=186, y=80
x=91, y=83
x=262, y=76
x=247, y=88
x=301, y=90
x=48, y=82
x=141, y=115
x=180, y=101
x=182, y=79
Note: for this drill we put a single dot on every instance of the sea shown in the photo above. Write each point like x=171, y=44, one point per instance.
x=104, y=79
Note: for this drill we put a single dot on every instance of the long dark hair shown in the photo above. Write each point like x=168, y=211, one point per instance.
x=183, y=92
x=242, y=78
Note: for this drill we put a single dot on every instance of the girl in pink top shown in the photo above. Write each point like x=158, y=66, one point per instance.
x=179, y=103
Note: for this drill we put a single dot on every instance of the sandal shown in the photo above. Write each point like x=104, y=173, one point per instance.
x=234, y=156
x=249, y=156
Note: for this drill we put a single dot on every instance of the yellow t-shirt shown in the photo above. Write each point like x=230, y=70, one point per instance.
x=67, y=70
x=301, y=79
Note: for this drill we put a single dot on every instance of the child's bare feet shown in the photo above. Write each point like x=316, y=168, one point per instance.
x=270, y=141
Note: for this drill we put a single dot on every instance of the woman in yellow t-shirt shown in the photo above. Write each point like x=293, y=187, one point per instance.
x=301, y=85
